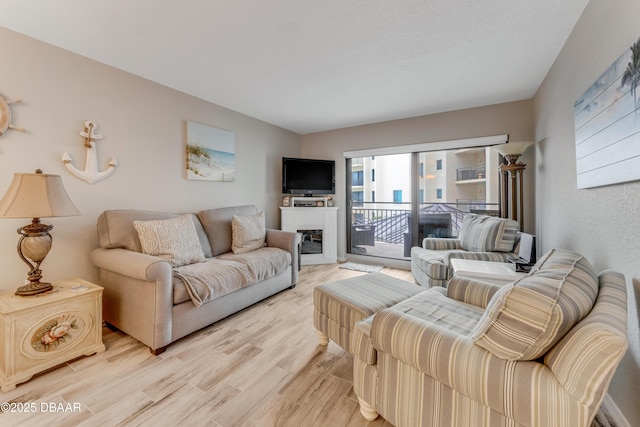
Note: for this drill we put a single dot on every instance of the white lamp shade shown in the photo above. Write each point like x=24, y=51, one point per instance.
x=511, y=148
x=36, y=195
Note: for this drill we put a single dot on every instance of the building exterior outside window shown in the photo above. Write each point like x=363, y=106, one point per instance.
x=357, y=196
x=357, y=178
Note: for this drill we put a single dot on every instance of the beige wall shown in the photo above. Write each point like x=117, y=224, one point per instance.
x=515, y=119
x=143, y=125
x=601, y=223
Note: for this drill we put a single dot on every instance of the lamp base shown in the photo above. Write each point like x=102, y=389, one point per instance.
x=34, y=289
x=34, y=245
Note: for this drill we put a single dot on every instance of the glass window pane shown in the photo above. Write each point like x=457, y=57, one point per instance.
x=449, y=183
x=461, y=181
x=380, y=205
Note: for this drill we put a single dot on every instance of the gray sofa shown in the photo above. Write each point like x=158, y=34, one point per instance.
x=146, y=298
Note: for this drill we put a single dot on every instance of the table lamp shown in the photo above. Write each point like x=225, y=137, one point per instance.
x=35, y=195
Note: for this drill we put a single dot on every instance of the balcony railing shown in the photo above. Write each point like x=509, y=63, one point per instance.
x=473, y=172
x=389, y=224
x=436, y=219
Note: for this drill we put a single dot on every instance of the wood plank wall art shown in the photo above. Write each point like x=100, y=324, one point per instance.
x=607, y=124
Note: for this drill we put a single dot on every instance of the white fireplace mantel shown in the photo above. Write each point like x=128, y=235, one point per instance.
x=298, y=219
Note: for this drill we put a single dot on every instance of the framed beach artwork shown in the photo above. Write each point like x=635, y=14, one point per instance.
x=607, y=122
x=211, y=153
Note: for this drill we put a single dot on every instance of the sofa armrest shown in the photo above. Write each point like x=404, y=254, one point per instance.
x=440, y=244
x=471, y=291
x=130, y=263
x=290, y=242
x=138, y=294
x=454, y=360
x=595, y=345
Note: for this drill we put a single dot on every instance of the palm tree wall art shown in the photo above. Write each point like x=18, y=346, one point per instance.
x=607, y=125
x=631, y=75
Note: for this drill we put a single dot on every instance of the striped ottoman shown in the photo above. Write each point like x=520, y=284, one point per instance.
x=338, y=306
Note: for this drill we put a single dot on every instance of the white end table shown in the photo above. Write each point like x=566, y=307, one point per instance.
x=41, y=331
x=499, y=273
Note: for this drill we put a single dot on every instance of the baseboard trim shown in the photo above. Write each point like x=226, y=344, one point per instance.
x=613, y=413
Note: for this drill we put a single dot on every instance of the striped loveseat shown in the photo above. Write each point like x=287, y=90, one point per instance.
x=538, y=352
x=481, y=237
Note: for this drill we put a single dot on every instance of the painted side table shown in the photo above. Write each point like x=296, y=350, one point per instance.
x=42, y=331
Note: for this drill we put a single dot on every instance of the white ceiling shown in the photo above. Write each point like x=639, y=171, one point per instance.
x=314, y=65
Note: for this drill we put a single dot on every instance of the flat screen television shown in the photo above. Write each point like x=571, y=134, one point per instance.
x=308, y=176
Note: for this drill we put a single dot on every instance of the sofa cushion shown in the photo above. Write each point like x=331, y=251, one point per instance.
x=217, y=226
x=526, y=318
x=241, y=270
x=207, y=281
x=115, y=229
x=174, y=240
x=432, y=306
x=247, y=232
x=482, y=233
x=262, y=263
x=435, y=307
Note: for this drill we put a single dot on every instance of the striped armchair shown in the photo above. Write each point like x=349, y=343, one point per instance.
x=538, y=352
x=482, y=237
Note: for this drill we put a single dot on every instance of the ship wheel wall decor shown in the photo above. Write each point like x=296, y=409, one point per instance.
x=5, y=115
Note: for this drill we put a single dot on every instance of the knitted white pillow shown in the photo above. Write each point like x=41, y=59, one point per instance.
x=175, y=240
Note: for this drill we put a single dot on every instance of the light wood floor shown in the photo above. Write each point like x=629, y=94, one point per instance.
x=260, y=367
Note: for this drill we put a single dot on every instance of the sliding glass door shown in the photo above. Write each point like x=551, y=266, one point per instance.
x=396, y=200
x=380, y=200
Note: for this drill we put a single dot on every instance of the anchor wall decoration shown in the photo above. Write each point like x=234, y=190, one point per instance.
x=91, y=174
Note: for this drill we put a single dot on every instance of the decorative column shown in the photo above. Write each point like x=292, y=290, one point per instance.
x=512, y=180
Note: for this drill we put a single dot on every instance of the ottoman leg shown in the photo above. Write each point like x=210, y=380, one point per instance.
x=323, y=339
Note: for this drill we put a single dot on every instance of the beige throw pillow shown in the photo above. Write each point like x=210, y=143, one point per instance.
x=247, y=233
x=481, y=233
x=175, y=240
x=524, y=319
